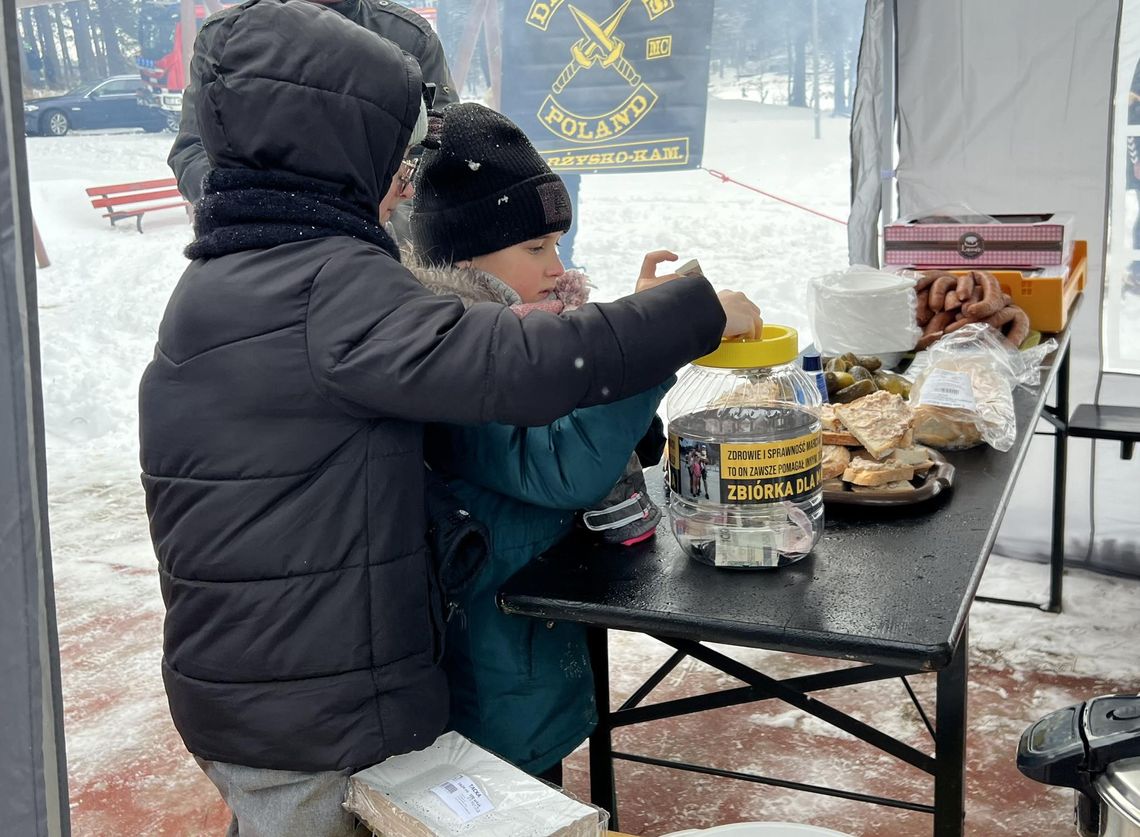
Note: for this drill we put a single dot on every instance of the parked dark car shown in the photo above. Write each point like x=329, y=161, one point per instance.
x=111, y=103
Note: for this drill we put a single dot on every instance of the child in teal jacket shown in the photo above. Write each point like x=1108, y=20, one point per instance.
x=487, y=220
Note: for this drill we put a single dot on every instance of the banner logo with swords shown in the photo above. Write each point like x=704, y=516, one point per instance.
x=598, y=48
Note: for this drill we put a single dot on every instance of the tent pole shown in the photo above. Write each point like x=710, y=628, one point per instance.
x=189, y=18
x=889, y=102
x=466, y=49
x=493, y=37
x=815, y=63
x=42, y=259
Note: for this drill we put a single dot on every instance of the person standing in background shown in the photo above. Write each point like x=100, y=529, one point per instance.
x=389, y=20
x=1132, y=172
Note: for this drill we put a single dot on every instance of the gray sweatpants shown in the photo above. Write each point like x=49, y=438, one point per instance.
x=283, y=803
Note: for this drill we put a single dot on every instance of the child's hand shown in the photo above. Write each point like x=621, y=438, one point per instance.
x=742, y=316
x=649, y=278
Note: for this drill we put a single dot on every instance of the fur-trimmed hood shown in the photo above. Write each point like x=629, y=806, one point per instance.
x=468, y=283
x=571, y=289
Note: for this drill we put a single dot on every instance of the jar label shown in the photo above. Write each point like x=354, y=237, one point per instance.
x=745, y=473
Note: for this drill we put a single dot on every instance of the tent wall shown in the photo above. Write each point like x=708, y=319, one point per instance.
x=33, y=770
x=1006, y=107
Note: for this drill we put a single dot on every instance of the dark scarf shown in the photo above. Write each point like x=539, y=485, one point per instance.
x=242, y=209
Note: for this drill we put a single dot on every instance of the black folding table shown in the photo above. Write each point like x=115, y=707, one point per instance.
x=891, y=591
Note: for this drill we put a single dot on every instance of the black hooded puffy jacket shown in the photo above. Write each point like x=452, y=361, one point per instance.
x=281, y=418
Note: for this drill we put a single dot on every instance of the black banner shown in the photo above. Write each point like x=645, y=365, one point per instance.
x=609, y=85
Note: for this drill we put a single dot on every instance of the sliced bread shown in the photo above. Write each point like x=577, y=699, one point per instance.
x=835, y=461
x=901, y=485
x=881, y=421
x=869, y=472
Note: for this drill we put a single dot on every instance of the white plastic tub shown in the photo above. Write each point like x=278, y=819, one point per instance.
x=864, y=311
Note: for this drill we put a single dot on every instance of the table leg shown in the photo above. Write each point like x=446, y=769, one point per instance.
x=1060, y=461
x=950, y=745
x=602, y=790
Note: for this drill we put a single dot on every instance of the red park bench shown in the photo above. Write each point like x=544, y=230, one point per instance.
x=134, y=200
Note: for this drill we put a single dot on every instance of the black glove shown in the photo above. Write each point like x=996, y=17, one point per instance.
x=652, y=445
x=626, y=515
x=459, y=543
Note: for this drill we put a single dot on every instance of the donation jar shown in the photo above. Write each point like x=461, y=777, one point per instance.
x=745, y=453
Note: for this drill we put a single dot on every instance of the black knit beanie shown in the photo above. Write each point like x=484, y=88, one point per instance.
x=483, y=188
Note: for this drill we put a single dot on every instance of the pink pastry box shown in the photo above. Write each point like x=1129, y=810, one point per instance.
x=1014, y=241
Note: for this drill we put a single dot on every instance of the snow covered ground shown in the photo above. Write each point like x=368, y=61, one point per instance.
x=103, y=296
x=101, y=300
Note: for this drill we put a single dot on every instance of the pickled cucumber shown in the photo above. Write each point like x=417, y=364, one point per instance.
x=855, y=391
x=860, y=374
x=871, y=363
x=893, y=383
x=837, y=381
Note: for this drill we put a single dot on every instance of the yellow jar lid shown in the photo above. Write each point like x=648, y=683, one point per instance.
x=779, y=345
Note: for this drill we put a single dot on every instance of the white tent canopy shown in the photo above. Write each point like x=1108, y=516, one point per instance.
x=1008, y=108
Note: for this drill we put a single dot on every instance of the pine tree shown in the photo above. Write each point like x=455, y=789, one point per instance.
x=112, y=47
x=84, y=50
x=60, y=30
x=53, y=77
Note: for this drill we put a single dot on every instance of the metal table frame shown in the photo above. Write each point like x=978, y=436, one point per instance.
x=1058, y=416
x=532, y=596
x=947, y=765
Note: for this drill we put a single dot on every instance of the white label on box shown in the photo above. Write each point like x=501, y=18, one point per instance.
x=465, y=798
x=943, y=388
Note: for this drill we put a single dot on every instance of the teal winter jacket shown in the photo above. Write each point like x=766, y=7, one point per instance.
x=521, y=687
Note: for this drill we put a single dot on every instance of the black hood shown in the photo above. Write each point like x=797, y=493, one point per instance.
x=294, y=87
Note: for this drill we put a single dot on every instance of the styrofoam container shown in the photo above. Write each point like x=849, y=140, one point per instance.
x=760, y=829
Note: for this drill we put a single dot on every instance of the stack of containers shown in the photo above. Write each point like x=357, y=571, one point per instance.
x=1035, y=258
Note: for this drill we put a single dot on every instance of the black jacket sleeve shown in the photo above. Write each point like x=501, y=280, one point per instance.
x=384, y=346
x=434, y=67
x=187, y=157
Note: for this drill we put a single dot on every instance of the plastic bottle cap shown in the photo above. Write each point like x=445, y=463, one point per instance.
x=779, y=345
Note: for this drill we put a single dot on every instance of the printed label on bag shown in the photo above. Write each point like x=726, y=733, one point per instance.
x=943, y=388
x=745, y=474
x=465, y=798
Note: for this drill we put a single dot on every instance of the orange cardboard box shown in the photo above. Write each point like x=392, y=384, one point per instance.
x=1046, y=299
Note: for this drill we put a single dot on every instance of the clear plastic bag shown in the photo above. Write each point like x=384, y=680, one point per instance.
x=949, y=213
x=865, y=311
x=455, y=788
x=963, y=394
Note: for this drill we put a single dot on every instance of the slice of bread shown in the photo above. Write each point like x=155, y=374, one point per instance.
x=828, y=420
x=872, y=473
x=881, y=421
x=833, y=437
x=835, y=461
x=901, y=485
x=916, y=457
